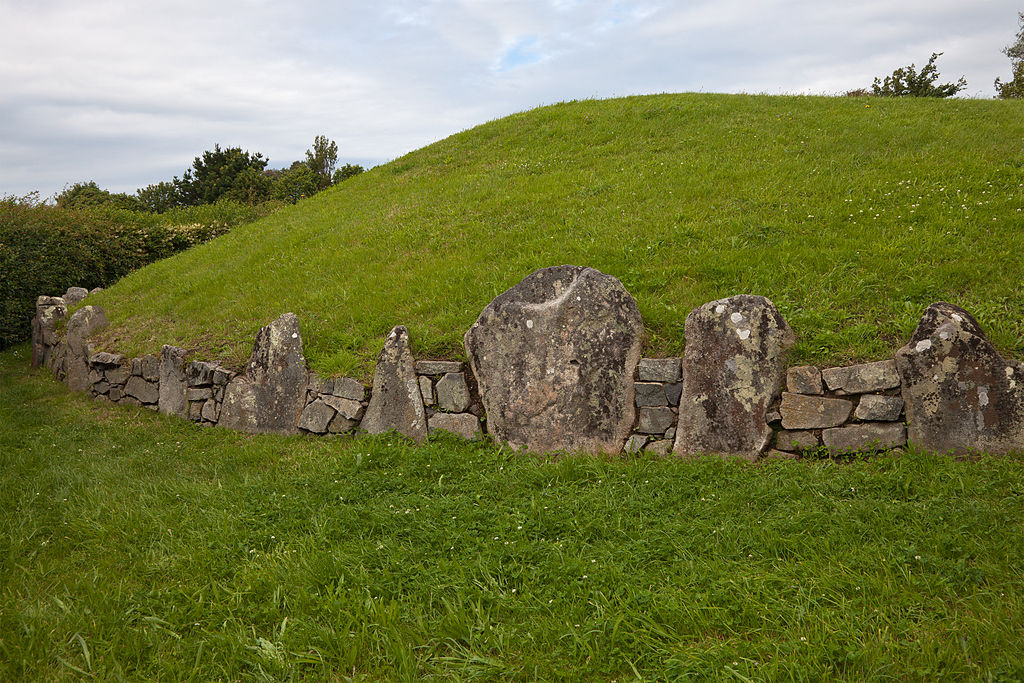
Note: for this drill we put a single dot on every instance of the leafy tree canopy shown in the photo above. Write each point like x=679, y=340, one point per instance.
x=89, y=193
x=907, y=82
x=323, y=159
x=1014, y=88
x=216, y=173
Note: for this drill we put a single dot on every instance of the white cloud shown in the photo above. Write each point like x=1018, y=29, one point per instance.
x=128, y=93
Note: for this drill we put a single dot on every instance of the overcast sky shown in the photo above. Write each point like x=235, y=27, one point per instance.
x=127, y=93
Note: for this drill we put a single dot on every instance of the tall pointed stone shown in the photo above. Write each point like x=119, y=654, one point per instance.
x=173, y=383
x=959, y=393
x=83, y=324
x=554, y=359
x=270, y=395
x=396, y=403
x=49, y=309
x=734, y=367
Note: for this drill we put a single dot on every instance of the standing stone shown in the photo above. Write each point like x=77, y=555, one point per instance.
x=172, y=381
x=452, y=393
x=49, y=309
x=83, y=323
x=959, y=393
x=733, y=368
x=395, y=403
x=427, y=390
x=270, y=395
x=554, y=358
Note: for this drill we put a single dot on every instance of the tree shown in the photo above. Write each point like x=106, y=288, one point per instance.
x=216, y=173
x=322, y=159
x=296, y=183
x=1014, y=88
x=81, y=195
x=346, y=172
x=159, y=197
x=907, y=82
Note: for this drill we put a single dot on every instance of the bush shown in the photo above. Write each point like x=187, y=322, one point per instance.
x=46, y=249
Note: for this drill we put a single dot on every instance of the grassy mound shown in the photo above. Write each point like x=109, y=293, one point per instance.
x=852, y=214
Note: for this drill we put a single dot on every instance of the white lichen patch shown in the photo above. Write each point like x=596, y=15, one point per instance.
x=923, y=345
x=743, y=334
x=982, y=396
x=720, y=309
x=529, y=324
x=957, y=317
x=736, y=318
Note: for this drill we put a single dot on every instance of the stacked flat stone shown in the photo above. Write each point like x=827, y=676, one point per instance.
x=204, y=391
x=134, y=381
x=334, y=405
x=449, y=403
x=845, y=409
x=659, y=382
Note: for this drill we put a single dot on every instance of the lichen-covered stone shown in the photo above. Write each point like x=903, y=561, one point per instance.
x=211, y=412
x=437, y=367
x=271, y=394
x=865, y=436
x=173, y=382
x=655, y=420
x=800, y=411
x=673, y=392
x=665, y=370
x=635, y=443
x=346, y=407
x=794, y=440
x=452, y=393
x=465, y=425
x=879, y=408
x=649, y=394
x=49, y=309
x=105, y=360
x=75, y=347
x=200, y=373
x=139, y=388
x=198, y=393
x=733, y=369
x=395, y=403
x=960, y=394
x=341, y=425
x=803, y=379
x=555, y=357
x=863, y=378
x=346, y=387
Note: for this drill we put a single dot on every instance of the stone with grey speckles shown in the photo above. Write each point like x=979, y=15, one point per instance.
x=396, y=403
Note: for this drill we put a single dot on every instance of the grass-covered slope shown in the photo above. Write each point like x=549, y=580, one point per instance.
x=852, y=214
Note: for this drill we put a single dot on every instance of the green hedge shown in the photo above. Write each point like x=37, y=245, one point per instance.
x=45, y=250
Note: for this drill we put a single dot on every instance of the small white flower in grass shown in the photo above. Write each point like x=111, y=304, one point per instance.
x=803, y=639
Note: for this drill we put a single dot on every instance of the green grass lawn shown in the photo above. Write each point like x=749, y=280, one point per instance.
x=139, y=547
x=852, y=214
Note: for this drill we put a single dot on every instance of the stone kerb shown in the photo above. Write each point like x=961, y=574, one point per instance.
x=656, y=394
x=554, y=357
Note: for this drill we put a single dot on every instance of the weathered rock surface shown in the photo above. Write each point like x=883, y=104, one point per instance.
x=793, y=440
x=437, y=367
x=316, y=417
x=49, y=309
x=82, y=324
x=346, y=407
x=733, y=368
x=346, y=387
x=395, y=403
x=465, y=425
x=635, y=443
x=803, y=379
x=879, y=408
x=74, y=295
x=427, y=390
x=659, y=447
x=960, y=394
x=800, y=411
x=172, y=381
x=453, y=393
x=655, y=420
x=659, y=370
x=863, y=378
x=554, y=358
x=271, y=394
x=139, y=388
x=865, y=436
x=649, y=394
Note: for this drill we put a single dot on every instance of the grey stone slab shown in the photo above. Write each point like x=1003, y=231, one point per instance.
x=395, y=403
x=346, y=387
x=804, y=379
x=635, y=443
x=659, y=447
x=465, y=425
x=733, y=370
x=554, y=358
x=195, y=410
x=863, y=378
x=800, y=411
x=211, y=412
x=876, y=408
x=200, y=373
x=346, y=407
x=117, y=375
x=865, y=436
x=75, y=294
x=316, y=417
x=655, y=420
x=427, y=390
x=83, y=323
x=342, y=425
x=198, y=393
x=104, y=359
x=795, y=440
x=146, y=392
x=649, y=394
x=437, y=367
x=673, y=392
x=452, y=393
x=173, y=382
x=666, y=370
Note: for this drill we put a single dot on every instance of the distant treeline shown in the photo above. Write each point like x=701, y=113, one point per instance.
x=224, y=174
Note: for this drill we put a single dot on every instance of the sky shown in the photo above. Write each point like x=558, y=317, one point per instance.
x=128, y=92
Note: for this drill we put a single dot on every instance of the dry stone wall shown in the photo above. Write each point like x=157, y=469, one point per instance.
x=554, y=365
